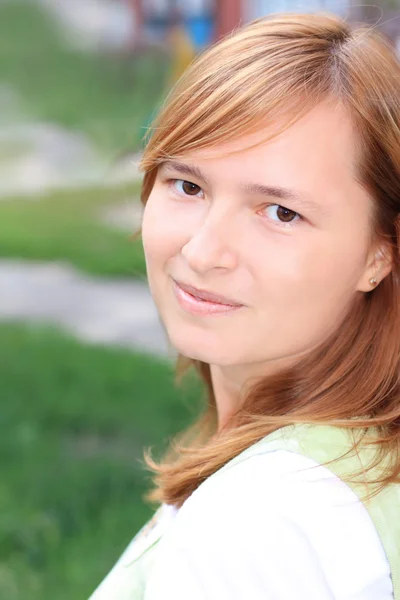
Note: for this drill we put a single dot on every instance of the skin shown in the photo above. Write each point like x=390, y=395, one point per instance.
x=295, y=275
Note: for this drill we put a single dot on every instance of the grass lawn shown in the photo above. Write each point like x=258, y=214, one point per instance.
x=73, y=424
x=108, y=97
x=65, y=226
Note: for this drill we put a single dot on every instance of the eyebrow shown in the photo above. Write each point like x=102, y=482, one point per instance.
x=278, y=192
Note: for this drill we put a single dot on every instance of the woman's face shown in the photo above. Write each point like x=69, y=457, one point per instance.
x=282, y=230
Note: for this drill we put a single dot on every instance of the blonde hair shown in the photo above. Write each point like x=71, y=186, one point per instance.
x=279, y=68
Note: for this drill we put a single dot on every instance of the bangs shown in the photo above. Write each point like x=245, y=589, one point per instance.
x=238, y=87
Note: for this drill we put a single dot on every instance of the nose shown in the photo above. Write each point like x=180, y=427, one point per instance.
x=212, y=246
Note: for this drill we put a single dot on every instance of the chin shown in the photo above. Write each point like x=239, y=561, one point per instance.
x=203, y=348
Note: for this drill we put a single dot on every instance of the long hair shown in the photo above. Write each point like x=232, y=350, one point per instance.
x=276, y=69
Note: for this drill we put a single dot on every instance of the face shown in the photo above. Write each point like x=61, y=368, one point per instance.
x=281, y=231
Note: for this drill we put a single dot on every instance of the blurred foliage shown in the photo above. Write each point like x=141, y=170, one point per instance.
x=67, y=226
x=74, y=421
x=108, y=96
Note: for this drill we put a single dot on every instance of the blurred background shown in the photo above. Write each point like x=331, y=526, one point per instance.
x=86, y=374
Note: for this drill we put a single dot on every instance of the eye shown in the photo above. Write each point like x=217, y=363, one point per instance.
x=281, y=214
x=186, y=188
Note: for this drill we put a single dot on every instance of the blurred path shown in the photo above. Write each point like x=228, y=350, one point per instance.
x=36, y=157
x=95, y=310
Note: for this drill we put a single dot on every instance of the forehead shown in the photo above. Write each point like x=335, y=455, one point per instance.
x=319, y=147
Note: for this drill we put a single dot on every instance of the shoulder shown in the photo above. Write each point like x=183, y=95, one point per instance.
x=287, y=483
x=280, y=505
x=271, y=476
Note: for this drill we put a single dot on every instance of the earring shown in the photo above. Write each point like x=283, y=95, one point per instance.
x=373, y=281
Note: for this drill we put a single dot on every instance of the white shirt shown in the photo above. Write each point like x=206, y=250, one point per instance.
x=272, y=529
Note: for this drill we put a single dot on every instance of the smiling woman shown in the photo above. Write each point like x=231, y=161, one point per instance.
x=271, y=235
x=226, y=231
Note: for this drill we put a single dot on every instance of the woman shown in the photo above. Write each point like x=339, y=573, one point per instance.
x=271, y=232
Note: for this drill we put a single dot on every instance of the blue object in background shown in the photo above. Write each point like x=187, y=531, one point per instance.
x=200, y=30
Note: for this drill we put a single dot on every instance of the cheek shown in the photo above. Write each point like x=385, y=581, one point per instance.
x=339, y=262
x=159, y=239
x=279, y=261
x=168, y=225
x=309, y=272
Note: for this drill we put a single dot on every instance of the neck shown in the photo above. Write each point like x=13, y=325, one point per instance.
x=231, y=383
x=230, y=386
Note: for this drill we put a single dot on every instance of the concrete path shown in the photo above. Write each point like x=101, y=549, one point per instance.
x=37, y=157
x=119, y=312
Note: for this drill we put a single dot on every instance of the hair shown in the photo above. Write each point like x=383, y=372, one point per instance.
x=275, y=70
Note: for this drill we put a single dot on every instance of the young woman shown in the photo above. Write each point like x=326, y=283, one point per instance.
x=271, y=231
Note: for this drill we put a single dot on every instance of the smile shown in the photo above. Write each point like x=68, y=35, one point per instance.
x=190, y=303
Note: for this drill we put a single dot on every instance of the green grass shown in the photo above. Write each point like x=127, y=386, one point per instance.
x=66, y=226
x=73, y=424
x=109, y=97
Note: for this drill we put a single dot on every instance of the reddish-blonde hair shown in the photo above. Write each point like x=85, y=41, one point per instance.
x=275, y=69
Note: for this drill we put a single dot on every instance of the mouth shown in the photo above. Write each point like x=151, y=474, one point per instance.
x=202, y=302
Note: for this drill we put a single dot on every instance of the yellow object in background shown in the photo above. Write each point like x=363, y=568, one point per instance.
x=182, y=50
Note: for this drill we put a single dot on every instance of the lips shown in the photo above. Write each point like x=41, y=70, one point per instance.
x=207, y=296
x=203, y=307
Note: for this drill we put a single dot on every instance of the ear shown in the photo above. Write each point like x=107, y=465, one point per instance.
x=379, y=265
